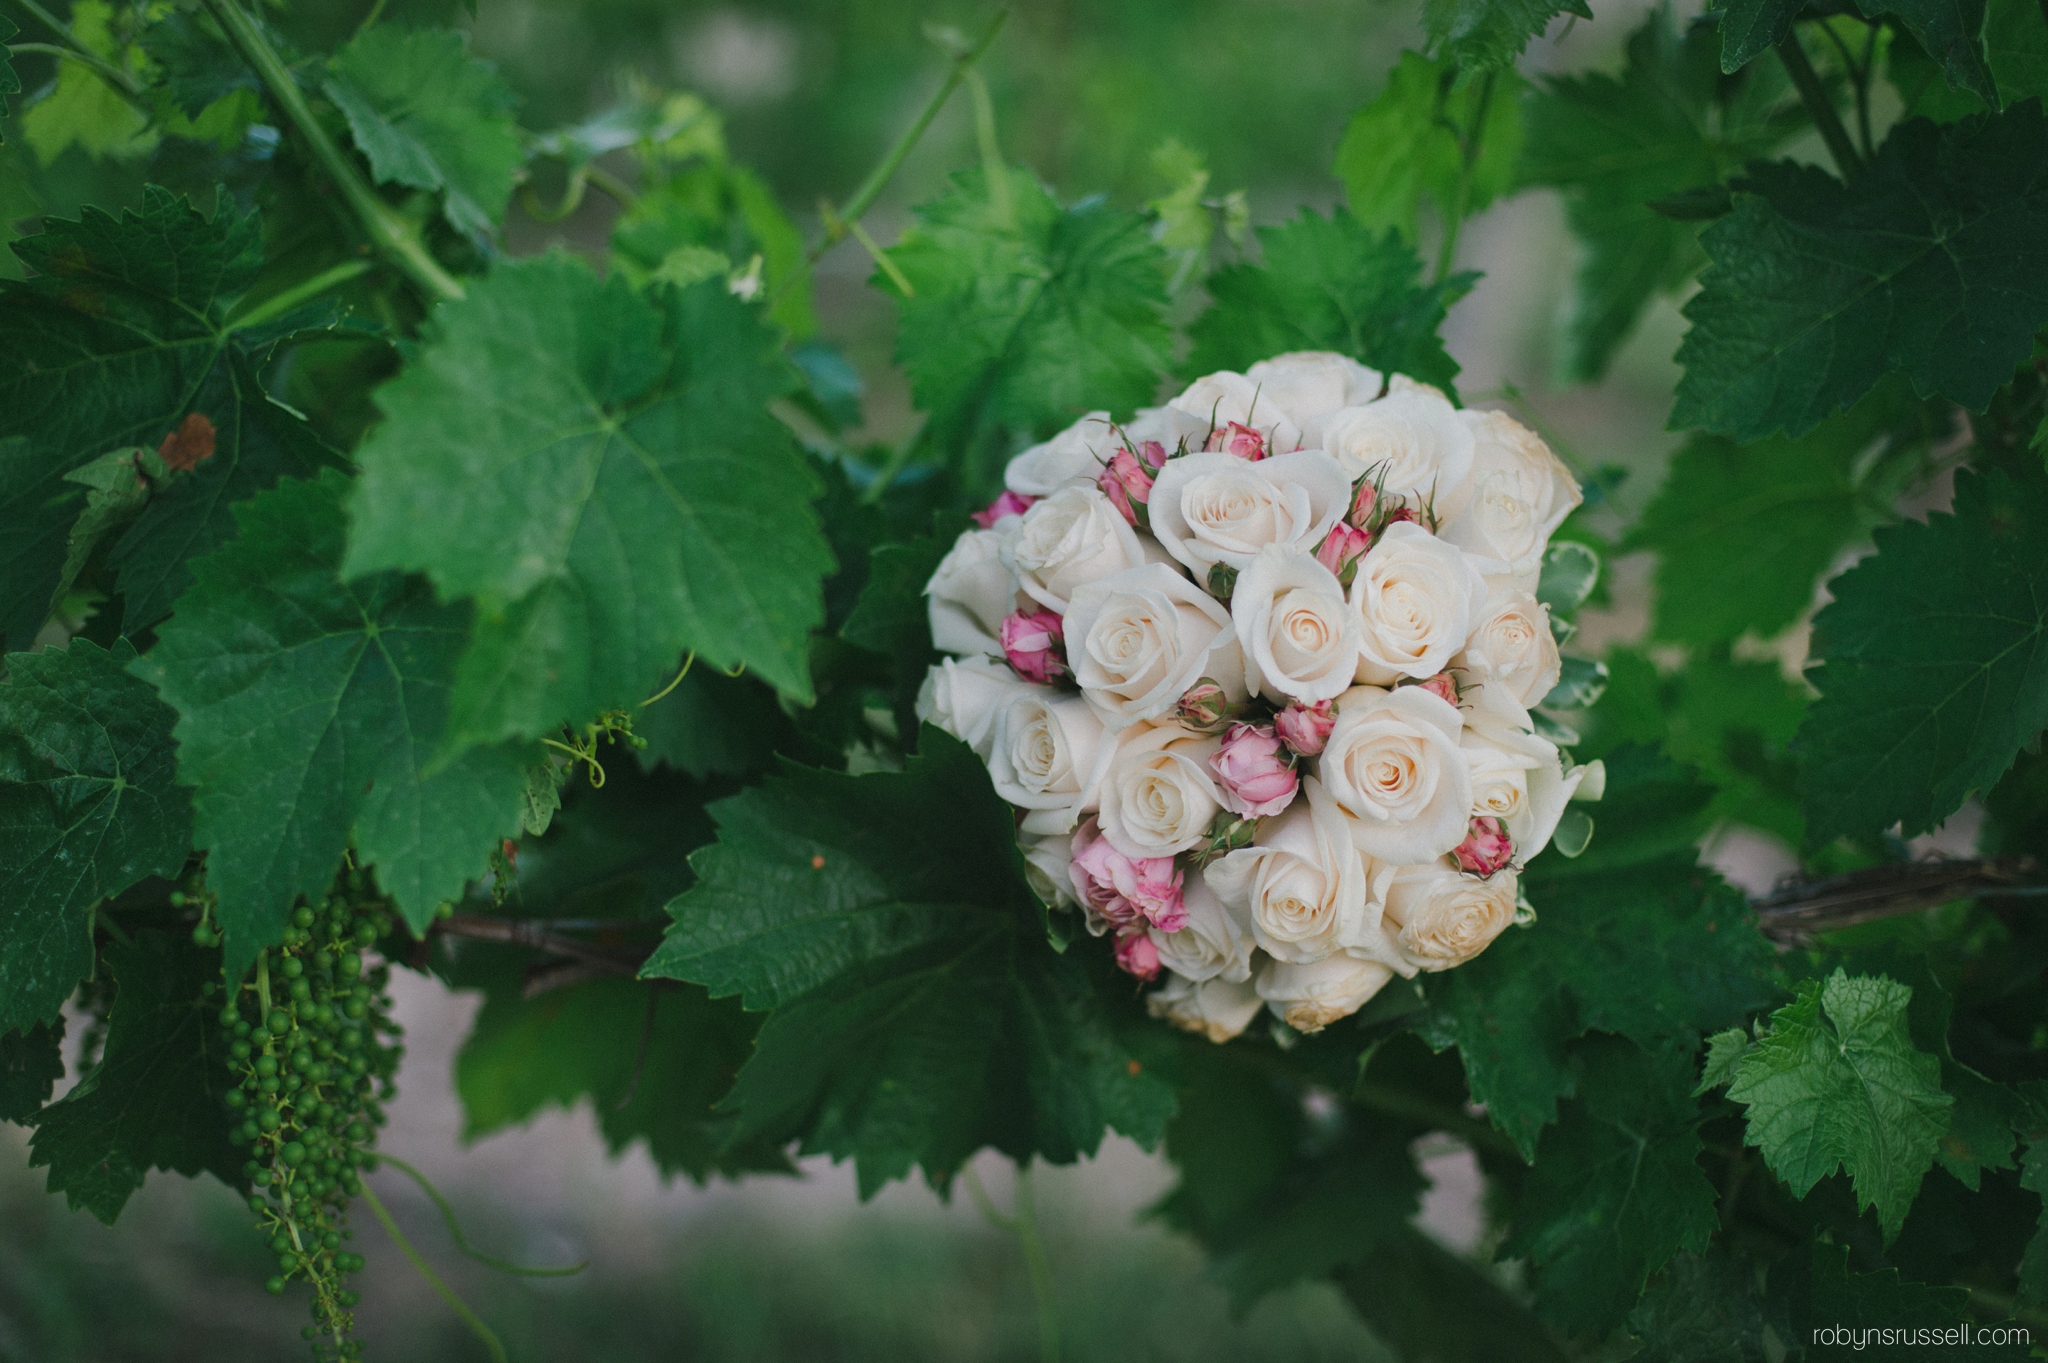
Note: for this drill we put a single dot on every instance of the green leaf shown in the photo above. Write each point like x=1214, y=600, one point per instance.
x=2033, y=1269
x=83, y=110
x=919, y=1013
x=31, y=1063
x=714, y=725
x=1570, y=572
x=1749, y=28
x=1931, y=262
x=726, y=211
x=1484, y=35
x=651, y=1060
x=892, y=616
x=1403, y=146
x=1836, y=1082
x=1019, y=326
x=600, y=472
x=1632, y=937
x=1432, y=1306
x=154, y=1100
x=10, y=79
x=1933, y=664
x=1616, y=1189
x=1329, y=284
x=87, y=808
x=1884, y=1318
x=1724, y=1053
x=1707, y=1312
x=429, y=116
x=1946, y=30
x=311, y=712
x=117, y=342
x=1667, y=125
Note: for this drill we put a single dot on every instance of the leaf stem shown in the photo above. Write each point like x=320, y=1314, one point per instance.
x=282, y=302
x=394, y=238
x=1039, y=1267
x=455, y=1230
x=121, y=80
x=1469, y=139
x=1814, y=96
x=447, y=1293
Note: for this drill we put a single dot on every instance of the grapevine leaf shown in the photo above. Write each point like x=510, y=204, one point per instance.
x=1749, y=28
x=588, y=1040
x=1981, y=1124
x=1632, y=937
x=918, y=1012
x=1824, y=1293
x=430, y=116
x=83, y=109
x=1724, y=1053
x=120, y=341
x=195, y=61
x=1946, y=30
x=1614, y=145
x=310, y=715
x=1329, y=284
x=154, y=1100
x=1836, y=1082
x=31, y=1063
x=1707, y=1312
x=1434, y=1306
x=1022, y=325
x=1402, y=147
x=722, y=214
x=714, y=725
x=2033, y=1270
x=1932, y=262
x=87, y=808
x=1616, y=1189
x=599, y=470
x=892, y=615
x=1484, y=35
x=1934, y=664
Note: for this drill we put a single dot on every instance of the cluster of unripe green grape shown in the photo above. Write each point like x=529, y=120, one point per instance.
x=313, y=1050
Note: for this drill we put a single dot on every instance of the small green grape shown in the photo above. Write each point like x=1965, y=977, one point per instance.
x=274, y=1286
x=303, y=916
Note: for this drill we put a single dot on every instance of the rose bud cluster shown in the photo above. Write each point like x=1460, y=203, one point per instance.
x=1256, y=670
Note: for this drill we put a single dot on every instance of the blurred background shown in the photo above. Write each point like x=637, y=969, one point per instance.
x=810, y=93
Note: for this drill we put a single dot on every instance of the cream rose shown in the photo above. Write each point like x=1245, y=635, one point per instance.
x=1138, y=639
x=965, y=696
x=1217, y=1009
x=1518, y=776
x=1046, y=860
x=1074, y=536
x=1308, y=385
x=969, y=594
x=1300, y=640
x=1216, y=508
x=1394, y=765
x=1303, y=886
x=1213, y=944
x=1511, y=648
x=1309, y=997
x=1519, y=493
x=1159, y=796
x=1077, y=452
x=1416, y=598
x=1048, y=757
x=1443, y=917
x=1216, y=400
x=1410, y=443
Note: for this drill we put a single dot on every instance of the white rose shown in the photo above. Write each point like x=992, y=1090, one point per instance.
x=1216, y=508
x=1159, y=797
x=1078, y=451
x=1518, y=776
x=1394, y=765
x=1299, y=638
x=1445, y=917
x=1218, y=399
x=1309, y=997
x=1074, y=536
x=964, y=696
x=1046, y=860
x=1303, y=885
x=1519, y=493
x=1172, y=428
x=1049, y=756
x=1137, y=640
x=1308, y=385
x=969, y=594
x=1416, y=598
x=1410, y=444
x=1217, y=1009
x=1511, y=648
x=1211, y=945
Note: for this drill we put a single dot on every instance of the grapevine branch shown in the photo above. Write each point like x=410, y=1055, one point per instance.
x=1793, y=914
x=1814, y=96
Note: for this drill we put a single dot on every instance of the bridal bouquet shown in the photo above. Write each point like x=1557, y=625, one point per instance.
x=1255, y=669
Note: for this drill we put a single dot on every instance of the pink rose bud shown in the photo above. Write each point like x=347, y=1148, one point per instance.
x=1240, y=440
x=1125, y=891
x=1362, y=503
x=1136, y=955
x=1253, y=768
x=1443, y=686
x=1341, y=549
x=1035, y=643
x=1486, y=849
x=1410, y=514
x=1306, y=728
x=1203, y=708
x=1127, y=479
x=1009, y=504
